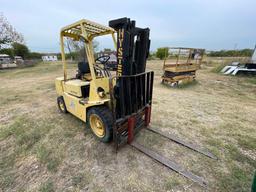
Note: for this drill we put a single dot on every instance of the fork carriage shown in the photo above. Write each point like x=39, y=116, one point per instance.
x=132, y=110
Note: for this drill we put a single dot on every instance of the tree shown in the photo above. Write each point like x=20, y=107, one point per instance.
x=7, y=51
x=8, y=33
x=34, y=55
x=20, y=50
x=70, y=44
x=161, y=53
x=76, y=49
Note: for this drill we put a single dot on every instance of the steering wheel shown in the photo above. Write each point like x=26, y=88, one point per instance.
x=103, y=59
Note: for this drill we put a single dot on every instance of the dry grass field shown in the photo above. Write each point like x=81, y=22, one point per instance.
x=44, y=150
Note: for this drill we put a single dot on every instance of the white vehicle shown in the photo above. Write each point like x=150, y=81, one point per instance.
x=50, y=58
x=18, y=60
x=4, y=58
x=6, y=62
x=240, y=68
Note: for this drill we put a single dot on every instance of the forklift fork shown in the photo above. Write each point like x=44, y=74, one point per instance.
x=169, y=163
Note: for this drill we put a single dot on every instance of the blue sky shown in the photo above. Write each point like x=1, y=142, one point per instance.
x=215, y=24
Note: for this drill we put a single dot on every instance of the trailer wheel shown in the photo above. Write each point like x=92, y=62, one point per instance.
x=99, y=120
x=175, y=84
x=164, y=81
x=61, y=105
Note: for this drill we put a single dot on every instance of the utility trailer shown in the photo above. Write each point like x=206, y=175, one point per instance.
x=237, y=68
x=180, y=64
x=115, y=107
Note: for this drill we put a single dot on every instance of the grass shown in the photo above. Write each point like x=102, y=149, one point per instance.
x=7, y=175
x=218, y=68
x=252, y=80
x=80, y=180
x=236, y=156
x=217, y=64
x=187, y=84
x=218, y=116
x=47, y=187
x=237, y=180
x=48, y=157
x=171, y=183
x=7, y=180
x=151, y=140
x=24, y=132
x=247, y=142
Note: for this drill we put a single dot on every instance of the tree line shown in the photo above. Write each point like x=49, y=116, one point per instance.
x=12, y=42
x=162, y=52
x=231, y=53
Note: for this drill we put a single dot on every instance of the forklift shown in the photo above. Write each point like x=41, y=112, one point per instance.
x=114, y=106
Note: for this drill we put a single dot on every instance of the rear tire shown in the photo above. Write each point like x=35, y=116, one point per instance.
x=61, y=105
x=99, y=120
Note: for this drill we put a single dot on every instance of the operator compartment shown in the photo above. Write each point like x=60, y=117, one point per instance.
x=77, y=87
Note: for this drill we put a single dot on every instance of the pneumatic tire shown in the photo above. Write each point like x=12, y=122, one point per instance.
x=61, y=105
x=99, y=120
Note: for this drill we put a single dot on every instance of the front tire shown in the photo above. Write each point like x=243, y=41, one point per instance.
x=99, y=120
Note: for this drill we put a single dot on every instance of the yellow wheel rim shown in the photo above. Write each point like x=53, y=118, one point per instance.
x=97, y=125
x=62, y=106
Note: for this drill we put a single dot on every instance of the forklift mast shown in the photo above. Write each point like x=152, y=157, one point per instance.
x=133, y=89
x=132, y=52
x=132, y=46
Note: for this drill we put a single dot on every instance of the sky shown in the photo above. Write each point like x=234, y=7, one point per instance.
x=213, y=25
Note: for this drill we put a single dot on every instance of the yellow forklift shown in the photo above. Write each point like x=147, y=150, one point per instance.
x=109, y=104
x=114, y=106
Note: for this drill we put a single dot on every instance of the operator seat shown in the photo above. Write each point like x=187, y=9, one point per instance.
x=83, y=71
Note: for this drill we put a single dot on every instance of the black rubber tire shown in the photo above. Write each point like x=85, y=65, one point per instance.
x=106, y=116
x=59, y=101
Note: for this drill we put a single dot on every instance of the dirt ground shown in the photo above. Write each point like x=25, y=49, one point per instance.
x=44, y=150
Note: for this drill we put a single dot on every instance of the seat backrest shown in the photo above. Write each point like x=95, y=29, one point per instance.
x=83, y=67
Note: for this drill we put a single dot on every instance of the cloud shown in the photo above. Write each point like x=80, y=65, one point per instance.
x=208, y=24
